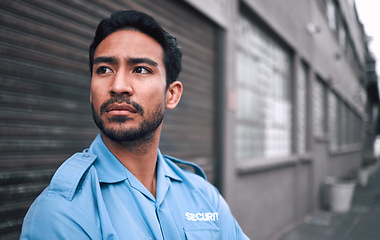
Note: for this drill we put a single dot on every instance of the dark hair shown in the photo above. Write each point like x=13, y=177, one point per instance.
x=131, y=19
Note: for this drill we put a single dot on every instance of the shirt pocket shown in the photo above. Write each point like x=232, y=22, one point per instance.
x=201, y=233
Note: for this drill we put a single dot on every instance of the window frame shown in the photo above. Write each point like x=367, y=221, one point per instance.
x=256, y=162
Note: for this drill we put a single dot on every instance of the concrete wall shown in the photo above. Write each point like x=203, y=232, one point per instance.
x=265, y=201
x=282, y=195
x=342, y=164
x=268, y=196
x=278, y=197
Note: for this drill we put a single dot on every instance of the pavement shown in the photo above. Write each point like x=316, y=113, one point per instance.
x=361, y=222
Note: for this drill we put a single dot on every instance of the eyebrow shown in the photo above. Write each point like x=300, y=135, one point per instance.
x=105, y=60
x=142, y=60
x=112, y=60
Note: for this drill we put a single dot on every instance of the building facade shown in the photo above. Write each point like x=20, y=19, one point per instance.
x=277, y=95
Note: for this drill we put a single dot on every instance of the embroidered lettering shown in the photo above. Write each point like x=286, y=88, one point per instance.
x=202, y=216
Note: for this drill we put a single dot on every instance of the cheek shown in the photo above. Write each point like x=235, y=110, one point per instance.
x=92, y=95
x=153, y=101
x=95, y=100
x=96, y=91
x=151, y=90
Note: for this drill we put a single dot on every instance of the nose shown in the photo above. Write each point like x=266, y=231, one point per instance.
x=121, y=84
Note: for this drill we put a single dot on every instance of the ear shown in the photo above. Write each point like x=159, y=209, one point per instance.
x=173, y=94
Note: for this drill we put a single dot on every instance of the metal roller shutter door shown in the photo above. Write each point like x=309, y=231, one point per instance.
x=44, y=91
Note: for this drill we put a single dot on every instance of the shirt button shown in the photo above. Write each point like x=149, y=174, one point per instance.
x=86, y=155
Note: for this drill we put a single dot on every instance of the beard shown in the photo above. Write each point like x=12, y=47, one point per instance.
x=138, y=135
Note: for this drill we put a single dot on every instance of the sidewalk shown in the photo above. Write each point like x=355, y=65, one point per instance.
x=362, y=222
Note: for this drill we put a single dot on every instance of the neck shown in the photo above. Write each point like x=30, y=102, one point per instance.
x=139, y=157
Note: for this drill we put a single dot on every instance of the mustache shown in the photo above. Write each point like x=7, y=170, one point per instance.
x=122, y=99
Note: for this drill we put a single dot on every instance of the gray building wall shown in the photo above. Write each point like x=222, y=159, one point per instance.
x=268, y=196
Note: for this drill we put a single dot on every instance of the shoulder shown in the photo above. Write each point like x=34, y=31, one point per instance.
x=58, y=208
x=186, y=165
x=53, y=217
x=67, y=178
x=193, y=178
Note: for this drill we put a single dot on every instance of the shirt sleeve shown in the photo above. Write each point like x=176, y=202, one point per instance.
x=55, y=218
x=229, y=227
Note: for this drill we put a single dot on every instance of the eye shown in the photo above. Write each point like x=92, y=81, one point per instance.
x=142, y=70
x=103, y=70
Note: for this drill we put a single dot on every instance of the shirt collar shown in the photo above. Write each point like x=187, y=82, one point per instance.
x=165, y=169
x=111, y=170
x=108, y=167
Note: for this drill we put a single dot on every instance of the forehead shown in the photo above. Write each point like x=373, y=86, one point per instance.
x=129, y=43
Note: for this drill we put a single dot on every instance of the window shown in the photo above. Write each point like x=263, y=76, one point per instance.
x=357, y=128
x=342, y=38
x=333, y=121
x=331, y=15
x=353, y=128
x=318, y=108
x=302, y=109
x=264, y=110
x=344, y=124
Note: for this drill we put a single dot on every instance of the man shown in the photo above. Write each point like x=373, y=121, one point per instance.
x=122, y=187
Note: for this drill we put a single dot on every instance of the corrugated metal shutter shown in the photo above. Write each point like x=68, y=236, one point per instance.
x=44, y=91
x=188, y=132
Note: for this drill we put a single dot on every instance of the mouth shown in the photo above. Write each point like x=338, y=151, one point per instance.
x=120, y=109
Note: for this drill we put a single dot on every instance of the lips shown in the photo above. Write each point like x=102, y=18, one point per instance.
x=120, y=108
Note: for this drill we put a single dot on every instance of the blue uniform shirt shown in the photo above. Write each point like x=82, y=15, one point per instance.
x=93, y=196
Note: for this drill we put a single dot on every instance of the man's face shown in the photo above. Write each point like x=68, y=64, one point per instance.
x=128, y=86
